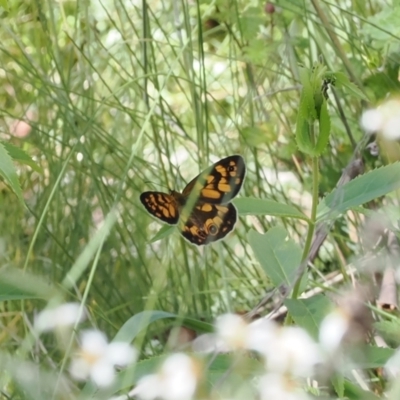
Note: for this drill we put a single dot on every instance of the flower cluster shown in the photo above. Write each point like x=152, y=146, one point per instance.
x=289, y=353
x=286, y=355
x=94, y=357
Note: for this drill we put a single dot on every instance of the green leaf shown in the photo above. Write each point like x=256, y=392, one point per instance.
x=307, y=101
x=19, y=155
x=354, y=392
x=280, y=258
x=389, y=330
x=254, y=206
x=9, y=173
x=309, y=313
x=4, y=4
x=313, y=109
x=253, y=135
x=302, y=134
x=375, y=357
x=365, y=188
x=338, y=384
x=134, y=325
x=341, y=80
x=35, y=382
x=250, y=22
x=96, y=242
x=165, y=231
x=141, y=321
x=324, y=130
x=382, y=28
x=219, y=365
x=306, y=114
x=16, y=284
x=254, y=51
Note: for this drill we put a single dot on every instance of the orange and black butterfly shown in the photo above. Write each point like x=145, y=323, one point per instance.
x=203, y=210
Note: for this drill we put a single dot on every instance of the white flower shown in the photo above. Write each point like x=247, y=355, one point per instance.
x=280, y=387
x=176, y=380
x=385, y=119
x=234, y=333
x=332, y=330
x=97, y=358
x=371, y=120
x=292, y=351
x=285, y=349
x=232, y=330
x=64, y=315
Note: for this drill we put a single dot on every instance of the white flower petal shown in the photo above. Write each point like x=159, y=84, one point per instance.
x=45, y=321
x=70, y=313
x=102, y=373
x=94, y=342
x=179, y=377
x=120, y=353
x=176, y=380
x=232, y=330
x=79, y=369
x=64, y=315
x=148, y=388
x=261, y=335
x=372, y=120
x=332, y=329
x=278, y=387
x=293, y=351
x=208, y=343
x=391, y=128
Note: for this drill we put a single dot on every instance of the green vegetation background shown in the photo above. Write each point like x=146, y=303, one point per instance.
x=128, y=96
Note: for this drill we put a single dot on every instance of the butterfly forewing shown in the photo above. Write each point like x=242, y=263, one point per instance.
x=220, y=183
x=162, y=206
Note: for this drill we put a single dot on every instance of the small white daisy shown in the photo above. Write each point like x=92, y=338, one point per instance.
x=97, y=358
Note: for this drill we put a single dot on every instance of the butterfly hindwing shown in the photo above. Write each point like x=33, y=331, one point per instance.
x=162, y=206
x=209, y=223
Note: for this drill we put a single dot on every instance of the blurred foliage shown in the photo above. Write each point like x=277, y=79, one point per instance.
x=122, y=97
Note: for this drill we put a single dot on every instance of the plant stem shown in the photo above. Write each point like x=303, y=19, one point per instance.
x=311, y=226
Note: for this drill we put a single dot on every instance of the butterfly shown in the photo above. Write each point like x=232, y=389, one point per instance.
x=203, y=211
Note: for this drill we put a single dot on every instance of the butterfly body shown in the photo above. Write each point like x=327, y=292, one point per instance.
x=203, y=210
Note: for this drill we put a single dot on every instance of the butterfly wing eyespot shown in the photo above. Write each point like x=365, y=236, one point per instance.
x=211, y=228
x=204, y=227
x=203, y=210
